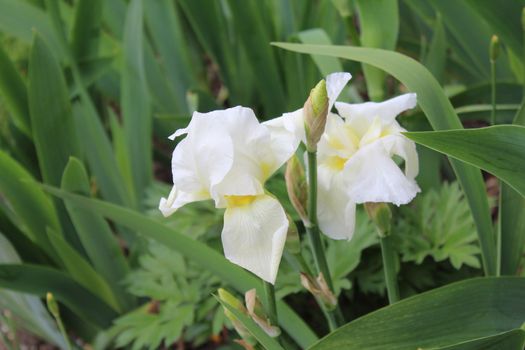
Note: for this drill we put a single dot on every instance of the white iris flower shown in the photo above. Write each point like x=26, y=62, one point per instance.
x=227, y=156
x=355, y=162
x=355, y=157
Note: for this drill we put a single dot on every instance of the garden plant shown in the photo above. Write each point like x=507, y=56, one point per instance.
x=262, y=174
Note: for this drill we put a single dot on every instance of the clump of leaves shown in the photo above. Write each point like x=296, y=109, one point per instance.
x=180, y=306
x=439, y=225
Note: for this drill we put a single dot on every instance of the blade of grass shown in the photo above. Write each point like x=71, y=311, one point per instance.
x=28, y=201
x=100, y=244
x=135, y=101
x=80, y=270
x=459, y=312
x=379, y=22
x=86, y=29
x=499, y=149
x=40, y=280
x=14, y=92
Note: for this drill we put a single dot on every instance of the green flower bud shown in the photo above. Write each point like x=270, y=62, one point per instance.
x=494, y=48
x=315, y=112
x=296, y=186
x=381, y=215
x=52, y=305
x=227, y=298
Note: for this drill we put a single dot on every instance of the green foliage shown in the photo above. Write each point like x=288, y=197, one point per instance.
x=180, y=297
x=438, y=224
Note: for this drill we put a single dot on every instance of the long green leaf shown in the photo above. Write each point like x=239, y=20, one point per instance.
x=28, y=201
x=264, y=339
x=193, y=250
x=52, y=122
x=80, y=270
x=249, y=24
x=14, y=92
x=512, y=220
x=95, y=234
x=39, y=280
x=458, y=312
x=86, y=29
x=166, y=30
x=440, y=114
x=511, y=340
x=51, y=114
x=379, y=22
x=28, y=309
x=135, y=100
x=499, y=150
x=20, y=19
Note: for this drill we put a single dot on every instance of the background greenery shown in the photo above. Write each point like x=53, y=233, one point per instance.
x=90, y=90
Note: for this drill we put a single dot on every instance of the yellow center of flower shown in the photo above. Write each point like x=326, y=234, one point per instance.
x=239, y=201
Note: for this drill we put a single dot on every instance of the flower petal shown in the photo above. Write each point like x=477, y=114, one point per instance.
x=177, y=199
x=335, y=210
x=372, y=176
x=401, y=146
x=335, y=83
x=289, y=128
x=254, y=234
x=386, y=111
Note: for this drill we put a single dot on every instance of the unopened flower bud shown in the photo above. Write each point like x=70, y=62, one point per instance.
x=52, y=305
x=256, y=312
x=296, y=186
x=293, y=241
x=319, y=288
x=494, y=48
x=227, y=298
x=315, y=112
x=381, y=215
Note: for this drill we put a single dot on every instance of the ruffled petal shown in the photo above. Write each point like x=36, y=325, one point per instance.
x=401, y=146
x=335, y=83
x=177, y=199
x=372, y=176
x=254, y=235
x=387, y=111
x=335, y=210
x=288, y=129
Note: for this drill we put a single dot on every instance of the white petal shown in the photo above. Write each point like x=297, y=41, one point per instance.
x=335, y=83
x=202, y=159
x=387, y=110
x=289, y=128
x=372, y=176
x=401, y=146
x=253, y=236
x=177, y=199
x=335, y=210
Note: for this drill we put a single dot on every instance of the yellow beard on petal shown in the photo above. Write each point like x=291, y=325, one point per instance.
x=239, y=201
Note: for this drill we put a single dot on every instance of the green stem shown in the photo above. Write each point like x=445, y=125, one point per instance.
x=312, y=229
x=389, y=266
x=271, y=305
x=493, y=91
x=63, y=332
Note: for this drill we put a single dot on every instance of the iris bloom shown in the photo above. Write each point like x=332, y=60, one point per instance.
x=355, y=162
x=227, y=156
x=355, y=157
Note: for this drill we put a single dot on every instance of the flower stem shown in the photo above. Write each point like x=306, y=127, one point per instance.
x=389, y=266
x=312, y=229
x=493, y=91
x=271, y=305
